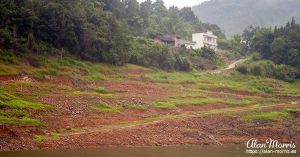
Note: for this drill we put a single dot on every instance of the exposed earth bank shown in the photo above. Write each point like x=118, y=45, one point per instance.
x=140, y=113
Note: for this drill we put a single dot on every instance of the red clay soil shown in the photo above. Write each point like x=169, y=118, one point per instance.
x=7, y=78
x=193, y=131
x=138, y=92
x=213, y=129
x=72, y=111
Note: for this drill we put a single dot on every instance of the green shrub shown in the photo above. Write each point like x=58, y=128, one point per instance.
x=242, y=69
x=268, y=69
x=256, y=56
x=7, y=57
x=36, y=60
x=206, y=52
x=183, y=63
x=5, y=38
x=284, y=72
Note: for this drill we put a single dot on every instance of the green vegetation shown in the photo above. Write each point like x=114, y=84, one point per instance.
x=173, y=103
x=280, y=46
x=137, y=107
x=101, y=89
x=20, y=121
x=233, y=81
x=104, y=107
x=13, y=110
x=115, y=32
x=266, y=116
x=164, y=105
x=39, y=139
x=268, y=69
x=54, y=134
x=17, y=103
x=294, y=110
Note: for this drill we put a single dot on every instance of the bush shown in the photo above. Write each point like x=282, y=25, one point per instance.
x=298, y=73
x=269, y=69
x=285, y=72
x=183, y=63
x=256, y=56
x=206, y=52
x=7, y=57
x=5, y=38
x=242, y=69
x=35, y=61
x=148, y=52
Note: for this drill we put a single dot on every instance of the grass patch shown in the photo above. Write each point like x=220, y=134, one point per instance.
x=104, y=107
x=100, y=90
x=232, y=81
x=39, y=139
x=137, y=107
x=8, y=70
x=12, y=110
x=23, y=121
x=19, y=103
x=5, y=96
x=266, y=116
x=175, y=77
x=294, y=110
x=189, y=95
x=164, y=105
x=54, y=134
x=175, y=102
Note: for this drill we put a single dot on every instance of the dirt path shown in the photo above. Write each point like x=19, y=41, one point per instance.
x=229, y=67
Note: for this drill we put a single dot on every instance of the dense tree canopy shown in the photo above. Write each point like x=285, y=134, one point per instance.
x=280, y=45
x=276, y=52
x=97, y=30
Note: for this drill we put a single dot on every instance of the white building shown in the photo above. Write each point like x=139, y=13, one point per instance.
x=207, y=39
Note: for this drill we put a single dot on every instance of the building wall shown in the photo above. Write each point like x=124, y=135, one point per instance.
x=201, y=40
x=198, y=38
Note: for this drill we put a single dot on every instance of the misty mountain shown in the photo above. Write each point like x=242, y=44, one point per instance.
x=233, y=16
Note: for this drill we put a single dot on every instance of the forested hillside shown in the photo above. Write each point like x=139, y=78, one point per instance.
x=111, y=31
x=235, y=15
x=276, y=52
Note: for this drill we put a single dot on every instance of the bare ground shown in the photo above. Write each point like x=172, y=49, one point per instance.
x=79, y=127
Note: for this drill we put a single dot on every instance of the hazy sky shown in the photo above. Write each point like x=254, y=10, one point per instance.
x=180, y=3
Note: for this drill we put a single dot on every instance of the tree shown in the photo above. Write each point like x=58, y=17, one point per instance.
x=188, y=15
x=248, y=35
x=159, y=8
x=293, y=57
x=146, y=11
x=262, y=41
x=280, y=50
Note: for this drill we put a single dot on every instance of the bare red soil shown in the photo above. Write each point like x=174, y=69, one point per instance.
x=80, y=127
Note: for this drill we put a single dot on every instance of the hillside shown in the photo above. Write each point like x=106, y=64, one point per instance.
x=233, y=16
x=88, y=74
x=68, y=104
x=114, y=32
